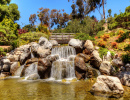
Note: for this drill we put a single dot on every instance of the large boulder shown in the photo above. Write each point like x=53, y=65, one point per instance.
x=44, y=68
x=32, y=60
x=89, y=45
x=45, y=43
x=108, y=84
x=85, y=57
x=117, y=62
x=80, y=67
x=124, y=78
x=24, y=56
x=52, y=58
x=34, y=76
x=76, y=43
x=106, y=68
x=14, y=67
x=107, y=57
x=54, y=42
x=127, y=67
x=96, y=60
x=6, y=68
x=42, y=53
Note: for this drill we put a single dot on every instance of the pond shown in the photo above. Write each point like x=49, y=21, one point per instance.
x=17, y=89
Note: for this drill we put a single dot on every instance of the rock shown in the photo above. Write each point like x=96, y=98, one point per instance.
x=14, y=67
x=6, y=61
x=42, y=53
x=96, y=48
x=16, y=57
x=24, y=56
x=105, y=68
x=32, y=60
x=34, y=76
x=80, y=67
x=24, y=48
x=127, y=66
x=76, y=43
x=108, y=84
x=107, y=57
x=45, y=43
x=52, y=58
x=89, y=45
x=34, y=47
x=85, y=57
x=54, y=42
x=96, y=60
x=92, y=72
x=11, y=58
x=85, y=51
x=2, y=76
x=71, y=57
x=44, y=68
x=124, y=78
x=6, y=68
x=117, y=62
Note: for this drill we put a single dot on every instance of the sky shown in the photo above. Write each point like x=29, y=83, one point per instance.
x=28, y=7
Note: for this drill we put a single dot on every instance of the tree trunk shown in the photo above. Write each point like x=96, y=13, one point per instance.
x=103, y=9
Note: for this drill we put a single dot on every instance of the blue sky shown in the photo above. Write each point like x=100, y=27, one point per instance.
x=28, y=7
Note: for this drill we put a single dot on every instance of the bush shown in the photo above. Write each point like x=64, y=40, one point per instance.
x=83, y=36
x=123, y=36
x=103, y=52
x=100, y=33
x=112, y=34
x=114, y=44
x=127, y=48
x=113, y=26
x=102, y=43
x=31, y=37
x=126, y=58
x=2, y=52
x=105, y=37
x=21, y=31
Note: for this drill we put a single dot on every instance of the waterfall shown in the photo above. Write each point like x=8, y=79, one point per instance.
x=32, y=56
x=64, y=66
x=31, y=69
x=19, y=70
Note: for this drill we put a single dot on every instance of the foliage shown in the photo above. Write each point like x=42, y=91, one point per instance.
x=29, y=28
x=9, y=10
x=105, y=37
x=8, y=31
x=87, y=25
x=126, y=58
x=43, y=29
x=103, y=52
x=21, y=31
x=2, y=52
x=112, y=34
x=114, y=44
x=109, y=11
x=102, y=43
x=127, y=48
x=32, y=19
x=123, y=36
x=100, y=33
x=83, y=36
x=31, y=37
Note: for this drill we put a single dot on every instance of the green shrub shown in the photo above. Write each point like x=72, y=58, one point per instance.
x=100, y=33
x=103, y=52
x=127, y=48
x=126, y=58
x=123, y=37
x=2, y=52
x=31, y=37
x=113, y=26
x=83, y=36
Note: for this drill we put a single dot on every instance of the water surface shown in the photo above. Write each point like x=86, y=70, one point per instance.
x=17, y=89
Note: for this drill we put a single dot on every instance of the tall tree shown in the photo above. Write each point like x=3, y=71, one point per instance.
x=109, y=11
x=8, y=10
x=32, y=19
x=91, y=5
x=44, y=16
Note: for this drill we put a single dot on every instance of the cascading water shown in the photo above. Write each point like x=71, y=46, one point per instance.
x=19, y=70
x=32, y=56
x=64, y=66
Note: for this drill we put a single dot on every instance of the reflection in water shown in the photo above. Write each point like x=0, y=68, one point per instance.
x=17, y=89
